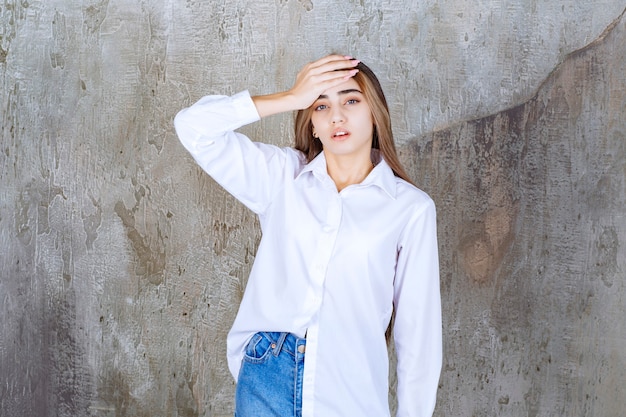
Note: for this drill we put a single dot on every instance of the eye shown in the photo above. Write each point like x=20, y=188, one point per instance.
x=320, y=107
x=352, y=101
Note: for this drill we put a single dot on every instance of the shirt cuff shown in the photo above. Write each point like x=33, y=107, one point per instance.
x=245, y=108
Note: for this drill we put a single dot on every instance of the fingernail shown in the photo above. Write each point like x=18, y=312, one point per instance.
x=351, y=74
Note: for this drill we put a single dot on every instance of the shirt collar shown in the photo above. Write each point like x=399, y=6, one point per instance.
x=317, y=166
x=381, y=176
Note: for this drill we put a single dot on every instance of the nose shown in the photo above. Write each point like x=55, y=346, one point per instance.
x=337, y=115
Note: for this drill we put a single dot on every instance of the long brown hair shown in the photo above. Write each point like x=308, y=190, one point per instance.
x=383, y=136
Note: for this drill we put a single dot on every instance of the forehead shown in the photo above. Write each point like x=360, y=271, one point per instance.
x=349, y=84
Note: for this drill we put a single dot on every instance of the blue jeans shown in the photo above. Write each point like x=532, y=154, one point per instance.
x=270, y=378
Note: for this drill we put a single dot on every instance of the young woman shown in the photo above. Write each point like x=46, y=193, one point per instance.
x=347, y=241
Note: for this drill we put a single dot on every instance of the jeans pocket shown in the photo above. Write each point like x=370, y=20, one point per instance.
x=258, y=349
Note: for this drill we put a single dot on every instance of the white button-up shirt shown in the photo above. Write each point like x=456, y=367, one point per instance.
x=331, y=265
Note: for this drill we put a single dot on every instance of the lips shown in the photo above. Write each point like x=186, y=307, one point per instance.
x=340, y=134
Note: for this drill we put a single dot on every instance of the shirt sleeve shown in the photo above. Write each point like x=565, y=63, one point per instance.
x=246, y=169
x=417, y=327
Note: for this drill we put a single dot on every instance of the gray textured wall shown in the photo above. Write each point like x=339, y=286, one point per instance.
x=122, y=264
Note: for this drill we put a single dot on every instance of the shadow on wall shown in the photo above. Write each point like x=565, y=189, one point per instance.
x=532, y=248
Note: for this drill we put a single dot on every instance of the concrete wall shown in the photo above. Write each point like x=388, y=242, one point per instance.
x=122, y=264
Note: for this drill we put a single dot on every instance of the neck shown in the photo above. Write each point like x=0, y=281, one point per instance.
x=348, y=170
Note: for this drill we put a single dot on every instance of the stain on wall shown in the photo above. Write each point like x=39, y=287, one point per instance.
x=122, y=264
x=532, y=238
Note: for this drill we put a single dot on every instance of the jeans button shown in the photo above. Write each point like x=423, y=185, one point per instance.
x=301, y=348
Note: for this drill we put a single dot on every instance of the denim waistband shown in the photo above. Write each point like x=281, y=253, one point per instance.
x=286, y=342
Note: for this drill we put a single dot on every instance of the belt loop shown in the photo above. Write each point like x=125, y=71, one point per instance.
x=280, y=342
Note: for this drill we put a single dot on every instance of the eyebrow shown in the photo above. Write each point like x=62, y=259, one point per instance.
x=342, y=92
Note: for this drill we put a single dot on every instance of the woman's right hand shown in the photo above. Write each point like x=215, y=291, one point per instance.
x=312, y=80
x=318, y=76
